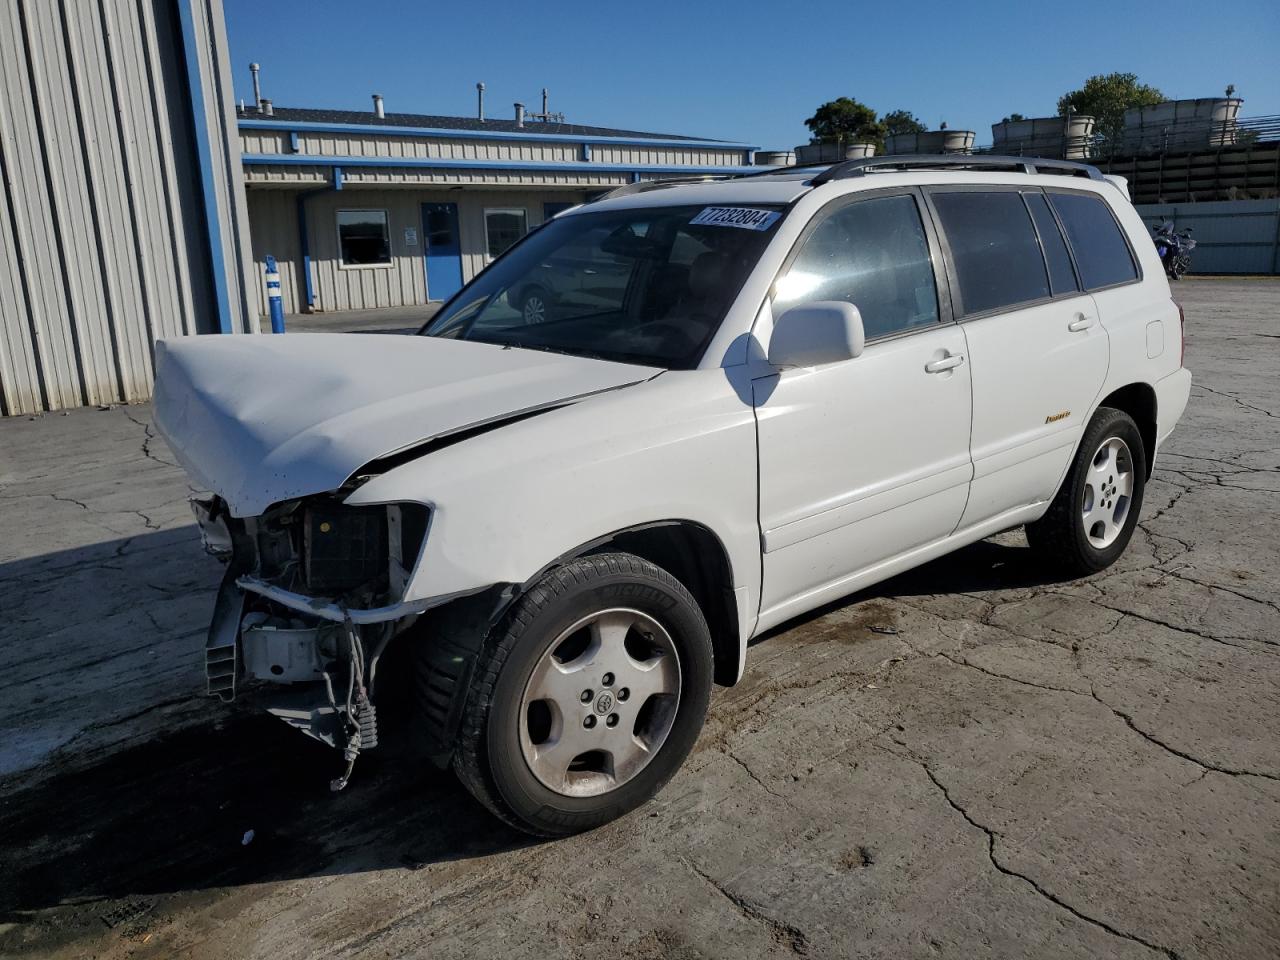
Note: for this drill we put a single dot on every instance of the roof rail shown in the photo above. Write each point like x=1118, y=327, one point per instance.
x=927, y=161
x=644, y=186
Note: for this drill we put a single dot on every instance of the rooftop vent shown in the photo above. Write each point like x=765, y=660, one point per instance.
x=519, y=114
x=378, y=110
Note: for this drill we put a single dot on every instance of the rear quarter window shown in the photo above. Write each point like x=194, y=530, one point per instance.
x=1102, y=255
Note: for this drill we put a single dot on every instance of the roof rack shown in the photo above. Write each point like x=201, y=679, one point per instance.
x=644, y=186
x=926, y=161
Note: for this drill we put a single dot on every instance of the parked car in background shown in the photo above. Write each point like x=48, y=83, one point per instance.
x=740, y=400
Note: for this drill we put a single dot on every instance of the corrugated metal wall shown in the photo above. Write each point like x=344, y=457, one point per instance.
x=419, y=147
x=273, y=223
x=1232, y=236
x=103, y=240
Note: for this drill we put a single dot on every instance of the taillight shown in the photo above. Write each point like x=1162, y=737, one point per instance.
x=1182, y=334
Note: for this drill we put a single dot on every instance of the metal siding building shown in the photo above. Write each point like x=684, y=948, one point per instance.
x=303, y=169
x=122, y=217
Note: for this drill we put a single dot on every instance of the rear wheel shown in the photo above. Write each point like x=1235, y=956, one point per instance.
x=593, y=694
x=1093, y=516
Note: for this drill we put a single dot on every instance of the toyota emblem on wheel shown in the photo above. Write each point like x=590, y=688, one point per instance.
x=605, y=703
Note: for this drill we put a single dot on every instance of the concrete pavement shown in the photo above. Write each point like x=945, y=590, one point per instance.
x=971, y=760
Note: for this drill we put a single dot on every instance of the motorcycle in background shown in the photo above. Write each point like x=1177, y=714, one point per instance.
x=1174, y=249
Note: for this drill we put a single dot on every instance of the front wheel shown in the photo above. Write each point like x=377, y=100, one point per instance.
x=1093, y=516
x=595, y=689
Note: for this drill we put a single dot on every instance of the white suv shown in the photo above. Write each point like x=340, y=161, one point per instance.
x=808, y=381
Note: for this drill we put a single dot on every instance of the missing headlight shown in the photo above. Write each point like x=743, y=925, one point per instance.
x=344, y=547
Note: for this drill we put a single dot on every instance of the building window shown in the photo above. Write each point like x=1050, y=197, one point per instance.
x=502, y=228
x=363, y=238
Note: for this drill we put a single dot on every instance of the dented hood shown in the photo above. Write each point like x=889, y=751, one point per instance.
x=261, y=419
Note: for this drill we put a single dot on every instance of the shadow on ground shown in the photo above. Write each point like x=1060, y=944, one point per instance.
x=174, y=815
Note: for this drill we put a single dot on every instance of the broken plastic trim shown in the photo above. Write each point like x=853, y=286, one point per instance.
x=330, y=609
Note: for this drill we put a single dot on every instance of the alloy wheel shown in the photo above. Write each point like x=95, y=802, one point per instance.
x=1108, y=493
x=600, y=702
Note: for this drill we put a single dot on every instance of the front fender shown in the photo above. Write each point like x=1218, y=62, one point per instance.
x=508, y=502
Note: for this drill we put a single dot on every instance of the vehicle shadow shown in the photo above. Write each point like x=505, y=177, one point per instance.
x=245, y=800
x=242, y=801
x=987, y=566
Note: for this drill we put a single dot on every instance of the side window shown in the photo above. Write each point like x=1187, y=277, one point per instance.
x=874, y=254
x=1101, y=252
x=994, y=247
x=1062, y=276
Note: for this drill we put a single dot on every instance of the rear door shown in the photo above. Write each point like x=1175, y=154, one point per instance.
x=1038, y=353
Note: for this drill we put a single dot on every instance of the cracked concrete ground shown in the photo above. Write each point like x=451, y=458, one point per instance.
x=971, y=760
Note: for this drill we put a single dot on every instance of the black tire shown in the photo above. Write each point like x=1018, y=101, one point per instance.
x=531, y=296
x=488, y=758
x=1059, y=537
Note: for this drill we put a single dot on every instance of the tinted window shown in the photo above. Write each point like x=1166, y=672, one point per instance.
x=362, y=238
x=997, y=257
x=1101, y=253
x=1062, y=278
x=874, y=254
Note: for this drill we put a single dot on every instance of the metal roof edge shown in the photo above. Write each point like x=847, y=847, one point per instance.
x=396, y=131
x=570, y=166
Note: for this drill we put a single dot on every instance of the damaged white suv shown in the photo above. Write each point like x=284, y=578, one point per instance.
x=788, y=387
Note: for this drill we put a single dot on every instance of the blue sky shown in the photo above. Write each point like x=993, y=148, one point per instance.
x=748, y=71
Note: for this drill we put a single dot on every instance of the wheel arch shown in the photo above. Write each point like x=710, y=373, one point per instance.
x=693, y=554
x=1138, y=400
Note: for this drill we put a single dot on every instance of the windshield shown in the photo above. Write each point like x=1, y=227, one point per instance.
x=647, y=286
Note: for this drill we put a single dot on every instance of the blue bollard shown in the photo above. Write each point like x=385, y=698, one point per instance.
x=273, y=296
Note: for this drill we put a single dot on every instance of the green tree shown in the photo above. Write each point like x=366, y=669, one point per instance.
x=844, y=120
x=902, y=121
x=1013, y=118
x=1107, y=97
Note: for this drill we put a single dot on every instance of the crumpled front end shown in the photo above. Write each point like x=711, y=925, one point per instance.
x=311, y=598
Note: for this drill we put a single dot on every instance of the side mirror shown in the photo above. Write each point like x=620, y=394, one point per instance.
x=826, y=331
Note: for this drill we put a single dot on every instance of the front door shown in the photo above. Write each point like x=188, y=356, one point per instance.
x=443, y=250
x=864, y=460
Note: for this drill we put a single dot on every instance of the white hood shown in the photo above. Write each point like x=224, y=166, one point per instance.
x=261, y=419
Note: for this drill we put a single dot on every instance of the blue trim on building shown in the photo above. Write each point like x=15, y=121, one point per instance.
x=569, y=166
x=337, y=178
x=293, y=141
x=204, y=158
x=391, y=131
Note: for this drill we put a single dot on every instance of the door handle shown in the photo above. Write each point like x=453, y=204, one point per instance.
x=948, y=362
x=1081, y=322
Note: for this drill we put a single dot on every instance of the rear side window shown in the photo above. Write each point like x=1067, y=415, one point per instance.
x=1099, y=247
x=874, y=254
x=1062, y=278
x=994, y=247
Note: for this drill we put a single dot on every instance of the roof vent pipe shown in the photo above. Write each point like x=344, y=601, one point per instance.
x=545, y=116
x=265, y=107
x=257, y=90
x=378, y=110
x=480, y=102
x=519, y=114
